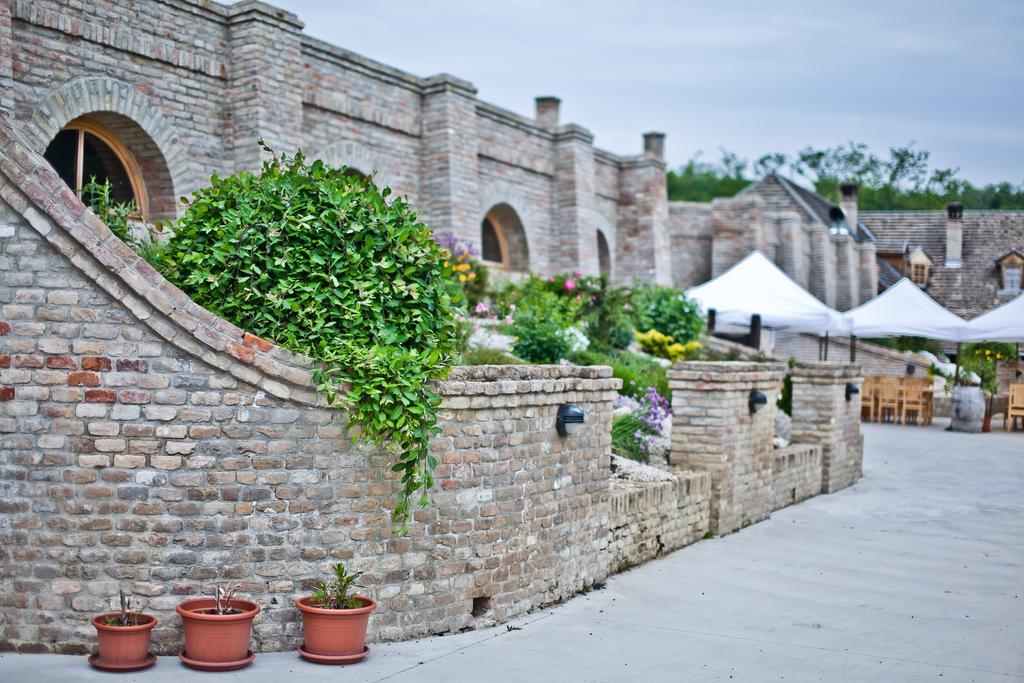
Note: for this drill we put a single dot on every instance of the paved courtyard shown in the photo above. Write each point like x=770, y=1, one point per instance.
x=916, y=573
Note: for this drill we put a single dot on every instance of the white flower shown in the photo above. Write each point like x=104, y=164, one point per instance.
x=577, y=339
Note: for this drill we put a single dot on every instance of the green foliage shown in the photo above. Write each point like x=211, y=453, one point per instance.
x=489, y=357
x=475, y=289
x=334, y=594
x=330, y=266
x=908, y=344
x=540, y=328
x=668, y=311
x=607, y=314
x=636, y=372
x=626, y=437
x=900, y=181
x=785, y=400
x=981, y=359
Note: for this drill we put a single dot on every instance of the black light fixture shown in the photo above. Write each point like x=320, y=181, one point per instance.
x=851, y=389
x=756, y=401
x=911, y=369
x=568, y=419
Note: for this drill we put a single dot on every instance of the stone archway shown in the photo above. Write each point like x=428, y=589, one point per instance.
x=604, y=254
x=356, y=158
x=503, y=239
x=126, y=112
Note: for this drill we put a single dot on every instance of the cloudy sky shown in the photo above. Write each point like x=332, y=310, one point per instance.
x=753, y=77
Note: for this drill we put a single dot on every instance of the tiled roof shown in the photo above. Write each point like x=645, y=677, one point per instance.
x=816, y=207
x=888, y=275
x=972, y=288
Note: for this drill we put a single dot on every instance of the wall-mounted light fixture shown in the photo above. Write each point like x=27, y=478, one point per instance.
x=569, y=419
x=851, y=389
x=911, y=369
x=756, y=401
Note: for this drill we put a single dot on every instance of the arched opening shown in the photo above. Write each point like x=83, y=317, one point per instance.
x=112, y=148
x=503, y=240
x=604, y=255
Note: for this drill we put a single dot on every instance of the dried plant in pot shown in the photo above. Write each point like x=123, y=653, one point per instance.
x=218, y=630
x=123, y=638
x=334, y=622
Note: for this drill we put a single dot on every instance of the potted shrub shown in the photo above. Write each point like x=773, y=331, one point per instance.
x=218, y=630
x=334, y=622
x=123, y=639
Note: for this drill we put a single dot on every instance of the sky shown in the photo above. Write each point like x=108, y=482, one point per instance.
x=750, y=77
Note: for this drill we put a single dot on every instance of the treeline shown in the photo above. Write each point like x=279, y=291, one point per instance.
x=901, y=180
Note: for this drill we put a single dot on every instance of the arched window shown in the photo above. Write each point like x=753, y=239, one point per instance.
x=490, y=243
x=604, y=255
x=85, y=150
x=503, y=240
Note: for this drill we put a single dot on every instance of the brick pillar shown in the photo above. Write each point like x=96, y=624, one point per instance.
x=847, y=272
x=868, y=271
x=574, y=238
x=643, y=243
x=713, y=430
x=821, y=414
x=265, y=81
x=449, y=189
x=822, y=279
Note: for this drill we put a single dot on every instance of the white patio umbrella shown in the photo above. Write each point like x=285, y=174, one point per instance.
x=756, y=286
x=1005, y=323
x=905, y=310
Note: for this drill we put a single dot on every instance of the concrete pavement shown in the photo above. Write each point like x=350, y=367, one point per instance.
x=916, y=573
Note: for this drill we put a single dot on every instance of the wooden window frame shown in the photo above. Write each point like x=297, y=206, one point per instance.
x=85, y=125
x=913, y=273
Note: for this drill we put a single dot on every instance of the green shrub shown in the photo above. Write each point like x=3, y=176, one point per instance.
x=330, y=266
x=785, y=400
x=541, y=323
x=606, y=312
x=668, y=311
x=489, y=357
x=636, y=372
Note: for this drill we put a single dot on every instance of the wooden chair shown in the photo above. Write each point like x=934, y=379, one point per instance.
x=888, y=402
x=1015, y=407
x=868, y=399
x=916, y=402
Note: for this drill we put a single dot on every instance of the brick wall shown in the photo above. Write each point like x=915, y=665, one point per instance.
x=713, y=430
x=796, y=474
x=148, y=445
x=822, y=414
x=649, y=519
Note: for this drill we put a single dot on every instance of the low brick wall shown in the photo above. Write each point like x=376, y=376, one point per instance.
x=713, y=430
x=649, y=519
x=822, y=414
x=796, y=474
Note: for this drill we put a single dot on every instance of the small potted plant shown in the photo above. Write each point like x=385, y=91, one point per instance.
x=334, y=622
x=123, y=639
x=218, y=630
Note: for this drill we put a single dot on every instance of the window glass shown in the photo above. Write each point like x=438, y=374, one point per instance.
x=78, y=156
x=62, y=154
x=1011, y=277
x=491, y=245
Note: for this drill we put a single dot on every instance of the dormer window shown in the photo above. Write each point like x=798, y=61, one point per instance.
x=918, y=266
x=1010, y=267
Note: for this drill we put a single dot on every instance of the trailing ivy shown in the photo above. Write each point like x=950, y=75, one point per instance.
x=326, y=264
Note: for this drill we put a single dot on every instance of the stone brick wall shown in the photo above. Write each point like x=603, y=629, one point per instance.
x=871, y=358
x=822, y=414
x=713, y=430
x=148, y=445
x=649, y=519
x=796, y=474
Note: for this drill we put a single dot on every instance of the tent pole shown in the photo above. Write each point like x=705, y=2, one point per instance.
x=956, y=371
x=755, y=331
x=711, y=320
x=826, y=346
x=853, y=348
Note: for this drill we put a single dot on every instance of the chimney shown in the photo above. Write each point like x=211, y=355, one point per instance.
x=848, y=203
x=547, y=111
x=654, y=144
x=954, y=234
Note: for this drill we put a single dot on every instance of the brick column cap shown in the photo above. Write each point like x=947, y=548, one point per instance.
x=824, y=372
x=447, y=83
x=255, y=10
x=574, y=131
x=719, y=375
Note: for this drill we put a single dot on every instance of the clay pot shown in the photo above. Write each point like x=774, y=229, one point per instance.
x=123, y=647
x=217, y=642
x=337, y=633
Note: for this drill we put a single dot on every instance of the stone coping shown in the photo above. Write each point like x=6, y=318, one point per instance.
x=719, y=375
x=824, y=372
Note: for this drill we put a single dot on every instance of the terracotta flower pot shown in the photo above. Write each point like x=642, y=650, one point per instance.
x=217, y=642
x=334, y=635
x=123, y=648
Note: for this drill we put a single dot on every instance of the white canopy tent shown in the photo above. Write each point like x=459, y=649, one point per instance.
x=1005, y=323
x=756, y=286
x=904, y=310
